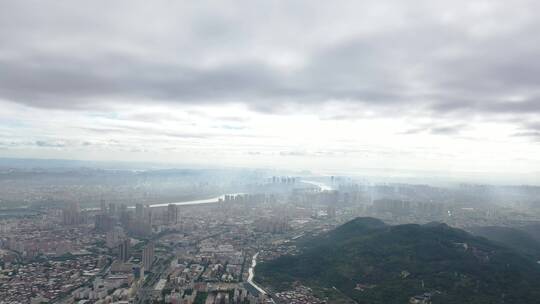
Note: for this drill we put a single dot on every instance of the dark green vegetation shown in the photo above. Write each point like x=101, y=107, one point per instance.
x=394, y=263
x=200, y=298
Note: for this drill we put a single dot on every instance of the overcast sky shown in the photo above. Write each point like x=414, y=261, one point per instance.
x=320, y=85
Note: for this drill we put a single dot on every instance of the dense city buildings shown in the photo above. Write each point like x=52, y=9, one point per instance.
x=206, y=250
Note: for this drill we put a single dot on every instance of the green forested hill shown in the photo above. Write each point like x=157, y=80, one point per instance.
x=371, y=262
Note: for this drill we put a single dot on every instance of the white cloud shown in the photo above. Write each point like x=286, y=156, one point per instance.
x=347, y=84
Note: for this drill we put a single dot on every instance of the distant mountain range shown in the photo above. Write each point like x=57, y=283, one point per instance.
x=367, y=261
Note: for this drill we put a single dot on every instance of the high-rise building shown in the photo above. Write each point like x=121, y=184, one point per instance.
x=103, y=222
x=148, y=215
x=112, y=209
x=172, y=214
x=139, y=211
x=71, y=215
x=148, y=255
x=124, y=250
x=125, y=218
x=103, y=206
x=123, y=208
x=114, y=237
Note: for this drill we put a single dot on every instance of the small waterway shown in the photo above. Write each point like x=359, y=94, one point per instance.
x=251, y=274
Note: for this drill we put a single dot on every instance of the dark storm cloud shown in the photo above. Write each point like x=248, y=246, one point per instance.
x=70, y=82
x=484, y=62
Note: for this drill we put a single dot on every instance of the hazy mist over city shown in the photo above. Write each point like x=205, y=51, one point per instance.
x=269, y=152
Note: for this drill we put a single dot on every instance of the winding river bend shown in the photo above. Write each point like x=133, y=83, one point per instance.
x=212, y=200
x=251, y=274
x=322, y=186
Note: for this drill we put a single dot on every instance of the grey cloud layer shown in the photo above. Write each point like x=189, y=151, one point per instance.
x=479, y=58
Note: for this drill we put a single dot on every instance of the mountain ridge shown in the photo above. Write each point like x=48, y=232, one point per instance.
x=402, y=261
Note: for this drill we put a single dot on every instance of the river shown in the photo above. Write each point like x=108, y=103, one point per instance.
x=212, y=200
x=321, y=185
x=251, y=274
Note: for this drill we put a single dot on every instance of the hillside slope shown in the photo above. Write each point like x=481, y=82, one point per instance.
x=371, y=262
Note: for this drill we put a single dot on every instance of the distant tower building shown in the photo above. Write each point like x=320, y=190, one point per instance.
x=124, y=250
x=172, y=214
x=113, y=237
x=123, y=208
x=71, y=215
x=125, y=218
x=104, y=222
x=148, y=215
x=139, y=211
x=148, y=255
x=112, y=209
x=103, y=206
